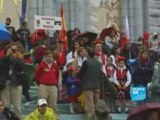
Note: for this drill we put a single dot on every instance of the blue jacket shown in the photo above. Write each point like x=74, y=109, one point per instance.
x=73, y=86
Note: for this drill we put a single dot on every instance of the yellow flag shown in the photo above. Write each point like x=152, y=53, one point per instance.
x=16, y=2
x=63, y=32
x=1, y=5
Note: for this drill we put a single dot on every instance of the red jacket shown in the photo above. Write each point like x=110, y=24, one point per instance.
x=46, y=75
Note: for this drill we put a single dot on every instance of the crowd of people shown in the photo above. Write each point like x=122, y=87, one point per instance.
x=83, y=73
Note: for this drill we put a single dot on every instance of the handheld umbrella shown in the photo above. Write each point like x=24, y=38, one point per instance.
x=143, y=111
x=90, y=37
x=4, y=34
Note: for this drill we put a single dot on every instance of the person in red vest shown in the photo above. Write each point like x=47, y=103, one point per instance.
x=110, y=99
x=99, y=54
x=115, y=54
x=122, y=79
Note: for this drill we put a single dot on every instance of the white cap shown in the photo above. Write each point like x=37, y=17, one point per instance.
x=42, y=102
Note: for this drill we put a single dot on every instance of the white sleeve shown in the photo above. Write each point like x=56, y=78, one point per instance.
x=107, y=39
x=115, y=78
x=128, y=79
x=155, y=67
x=105, y=62
x=104, y=70
x=113, y=60
x=68, y=57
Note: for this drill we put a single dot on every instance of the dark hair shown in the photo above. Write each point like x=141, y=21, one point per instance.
x=80, y=49
x=158, y=56
x=91, y=52
x=24, y=23
x=75, y=41
x=140, y=39
x=76, y=28
x=47, y=52
x=8, y=19
x=114, y=50
x=2, y=100
x=110, y=58
x=144, y=50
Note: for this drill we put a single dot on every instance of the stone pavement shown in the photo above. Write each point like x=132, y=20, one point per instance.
x=63, y=109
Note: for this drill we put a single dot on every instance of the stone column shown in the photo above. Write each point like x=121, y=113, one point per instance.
x=131, y=17
x=146, y=15
x=81, y=14
x=154, y=15
x=33, y=10
x=138, y=17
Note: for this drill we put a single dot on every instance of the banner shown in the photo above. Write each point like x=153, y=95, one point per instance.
x=48, y=22
x=138, y=93
x=23, y=13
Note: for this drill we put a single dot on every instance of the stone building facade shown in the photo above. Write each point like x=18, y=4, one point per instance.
x=92, y=15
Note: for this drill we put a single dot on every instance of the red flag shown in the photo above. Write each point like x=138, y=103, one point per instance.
x=146, y=39
x=63, y=32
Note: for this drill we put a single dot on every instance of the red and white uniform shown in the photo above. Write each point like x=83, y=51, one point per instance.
x=110, y=69
x=101, y=57
x=122, y=77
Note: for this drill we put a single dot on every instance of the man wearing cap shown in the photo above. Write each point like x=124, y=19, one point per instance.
x=43, y=112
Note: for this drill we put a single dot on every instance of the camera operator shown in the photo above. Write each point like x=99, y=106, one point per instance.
x=14, y=70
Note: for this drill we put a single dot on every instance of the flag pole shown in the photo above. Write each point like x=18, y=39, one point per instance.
x=1, y=6
x=127, y=27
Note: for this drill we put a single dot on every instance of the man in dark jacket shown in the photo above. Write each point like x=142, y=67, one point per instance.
x=90, y=74
x=23, y=36
x=5, y=113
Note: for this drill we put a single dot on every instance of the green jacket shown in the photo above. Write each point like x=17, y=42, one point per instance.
x=35, y=115
x=101, y=112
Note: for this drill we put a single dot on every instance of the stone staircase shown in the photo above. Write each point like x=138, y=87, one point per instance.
x=62, y=107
